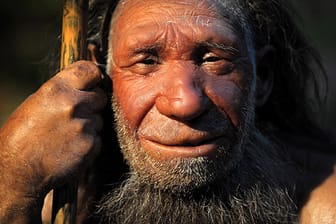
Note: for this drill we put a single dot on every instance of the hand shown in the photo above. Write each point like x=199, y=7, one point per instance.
x=53, y=133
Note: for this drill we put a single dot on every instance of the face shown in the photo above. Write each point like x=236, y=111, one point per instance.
x=182, y=86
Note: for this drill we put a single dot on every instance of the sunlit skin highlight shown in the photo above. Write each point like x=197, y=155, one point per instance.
x=173, y=69
x=212, y=103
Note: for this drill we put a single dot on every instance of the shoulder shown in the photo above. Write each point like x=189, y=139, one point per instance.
x=315, y=159
x=321, y=203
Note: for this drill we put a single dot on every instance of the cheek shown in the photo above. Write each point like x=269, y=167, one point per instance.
x=135, y=96
x=229, y=97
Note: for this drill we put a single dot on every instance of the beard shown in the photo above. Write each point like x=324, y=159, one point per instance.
x=134, y=202
x=252, y=192
x=242, y=184
x=181, y=175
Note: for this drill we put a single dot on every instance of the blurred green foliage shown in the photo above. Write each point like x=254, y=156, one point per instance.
x=29, y=32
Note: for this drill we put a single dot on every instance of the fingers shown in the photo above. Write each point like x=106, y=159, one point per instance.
x=81, y=75
x=87, y=142
x=62, y=122
x=79, y=84
x=91, y=125
x=89, y=103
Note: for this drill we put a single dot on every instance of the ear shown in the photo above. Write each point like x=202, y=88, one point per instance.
x=93, y=53
x=96, y=56
x=265, y=75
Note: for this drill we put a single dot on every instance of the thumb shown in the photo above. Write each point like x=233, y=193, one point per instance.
x=81, y=75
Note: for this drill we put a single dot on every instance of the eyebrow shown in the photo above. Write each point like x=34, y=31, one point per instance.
x=220, y=46
x=156, y=48
x=151, y=48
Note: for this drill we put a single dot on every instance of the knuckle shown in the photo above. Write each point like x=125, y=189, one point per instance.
x=68, y=106
x=85, y=68
x=52, y=87
x=64, y=102
x=89, y=141
x=79, y=126
x=57, y=96
x=82, y=75
x=87, y=144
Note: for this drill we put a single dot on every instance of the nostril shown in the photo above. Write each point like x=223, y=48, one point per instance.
x=182, y=96
x=182, y=108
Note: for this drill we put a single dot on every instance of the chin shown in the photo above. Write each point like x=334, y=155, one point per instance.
x=178, y=175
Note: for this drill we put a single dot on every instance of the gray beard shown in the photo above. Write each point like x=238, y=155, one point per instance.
x=181, y=175
x=247, y=182
x=133, y=203
x=252, y=192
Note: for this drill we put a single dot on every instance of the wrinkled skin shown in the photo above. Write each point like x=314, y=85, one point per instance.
x=320, y=207
x=182, y=84
x=48, y=139
x=167, y=92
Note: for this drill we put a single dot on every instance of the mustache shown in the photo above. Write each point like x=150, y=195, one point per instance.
x=212, y=123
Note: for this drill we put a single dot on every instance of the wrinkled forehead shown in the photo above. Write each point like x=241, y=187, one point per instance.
x=159, y=6
x=228, y=10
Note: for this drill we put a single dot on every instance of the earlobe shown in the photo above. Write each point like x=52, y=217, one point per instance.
x=92, y=53
x=265, y=74
x=96, y=56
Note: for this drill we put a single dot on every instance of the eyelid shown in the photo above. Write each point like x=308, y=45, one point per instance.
x=149, y=58
x=211, y=55
x=144, y=64
x=146, y=52
x=138, y=58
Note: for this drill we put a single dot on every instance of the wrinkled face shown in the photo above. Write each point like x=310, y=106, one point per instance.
x=181, y=81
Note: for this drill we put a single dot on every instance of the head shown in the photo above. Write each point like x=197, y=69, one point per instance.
x=191, y=80
x=292, y=66
x=183, y=89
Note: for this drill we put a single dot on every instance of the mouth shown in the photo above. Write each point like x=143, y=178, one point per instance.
x=202, y=147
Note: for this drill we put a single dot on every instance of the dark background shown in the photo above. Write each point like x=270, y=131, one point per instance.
x=29, y=31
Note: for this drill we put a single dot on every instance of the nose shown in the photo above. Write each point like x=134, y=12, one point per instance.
x=182, y=96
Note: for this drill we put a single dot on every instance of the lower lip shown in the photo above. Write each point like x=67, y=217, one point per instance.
x=166, y=152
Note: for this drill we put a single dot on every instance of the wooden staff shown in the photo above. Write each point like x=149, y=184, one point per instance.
x=74, y=31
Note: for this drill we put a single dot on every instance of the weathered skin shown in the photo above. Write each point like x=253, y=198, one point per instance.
x=160, y=87
x=48, y=138
x=176, y=82
x=321, y=204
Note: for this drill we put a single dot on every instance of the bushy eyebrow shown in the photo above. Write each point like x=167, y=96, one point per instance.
x=220, y=46
x=157, y=48
x=148, y=49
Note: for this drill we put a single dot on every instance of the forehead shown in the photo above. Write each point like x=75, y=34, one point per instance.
x=141, y=10
x=160, y=6
x=133, y=17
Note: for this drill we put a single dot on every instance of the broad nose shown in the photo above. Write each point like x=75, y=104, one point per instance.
x=182, y=96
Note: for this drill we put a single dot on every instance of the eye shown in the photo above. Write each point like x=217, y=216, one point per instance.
x=149, y=61
x=145, y=64
x=147, y=56
x=216, y=64
x=209, y=57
